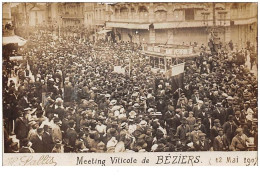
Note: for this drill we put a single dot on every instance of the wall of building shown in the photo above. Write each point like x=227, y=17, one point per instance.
x=6, y=13
x=240, y=34
x=188, y=35
x=36, y=18
x=161, y=36
x=183, y=22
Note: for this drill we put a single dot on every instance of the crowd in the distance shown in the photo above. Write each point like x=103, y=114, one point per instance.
x=68, y=99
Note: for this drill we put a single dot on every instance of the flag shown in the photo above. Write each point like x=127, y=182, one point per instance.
x=177, y=76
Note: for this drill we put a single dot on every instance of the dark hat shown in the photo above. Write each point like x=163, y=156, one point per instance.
x=183, y=120
x=230, y=117
x=24, y=142
x=39, y=130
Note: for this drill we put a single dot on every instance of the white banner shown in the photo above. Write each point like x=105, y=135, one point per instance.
x=177, y=69
x=16, y=58
x=154, y=70
x=119, y=69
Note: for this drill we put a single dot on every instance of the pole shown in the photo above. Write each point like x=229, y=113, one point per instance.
x=59, y=30
x=214, y=15
x=129, y=67
x=26, y=19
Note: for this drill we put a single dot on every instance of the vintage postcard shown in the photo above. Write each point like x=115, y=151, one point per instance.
x=130, y=83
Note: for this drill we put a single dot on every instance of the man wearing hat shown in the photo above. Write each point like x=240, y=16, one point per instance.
x=183, y=131
x=238, y=119
x=191, y=120
x=198, y=108
x=71, y=134
x=239, y=141
x=58, y=148
x=220, y=142
x=37, y=143
x=229, y=129
x=202, y=144
x=219, y=113
x=176, y=121
x=214, y=130
x=168, y=117
x=194, y=135
x=21, y=126
x=25, y=146
x=47, y=139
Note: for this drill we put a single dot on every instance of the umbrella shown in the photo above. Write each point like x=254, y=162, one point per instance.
x=14, y=39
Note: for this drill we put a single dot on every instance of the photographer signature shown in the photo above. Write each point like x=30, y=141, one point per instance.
x=30, y=160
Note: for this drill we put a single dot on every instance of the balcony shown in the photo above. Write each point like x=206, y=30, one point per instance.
x=72, y=16
x=99, y=22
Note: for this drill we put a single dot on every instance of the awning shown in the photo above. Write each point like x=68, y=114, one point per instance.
x=127, y=25
x=170, y=25
x=14, y=39
x=104, y=31
x=245, y=21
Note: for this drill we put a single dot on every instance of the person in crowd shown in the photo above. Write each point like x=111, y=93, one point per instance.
x=202, y=144
x=239, y=141
x=229, y=129
x=220, y=142
x=37, y=141
x=183, y=131
x=26, y=146
x=47, y=139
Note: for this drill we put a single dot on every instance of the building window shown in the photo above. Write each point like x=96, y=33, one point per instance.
x=124, y=12
x=177, y=15
x=143, y=12
x=189, y=14
x=160, y=15
x=117, y=13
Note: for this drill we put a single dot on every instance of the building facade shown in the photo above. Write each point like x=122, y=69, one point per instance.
x=178, y=23
x=71, y=14
x=6, y=13
x=89, y=15
x=37, y=15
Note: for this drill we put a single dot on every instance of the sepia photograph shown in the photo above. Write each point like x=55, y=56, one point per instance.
x=129, y=77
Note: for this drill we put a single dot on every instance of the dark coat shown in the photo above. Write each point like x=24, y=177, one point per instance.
x=60, y=112
x=37, y=144
x=221, y=115
x=21, y=128
x=220, y=144
x=196, y=111
x=71, y=136
x=208, y=125
x=229, y=131
x=238, y=121
x=47, y=142
x=182, y=132
x=199, y=147
x=175, y=122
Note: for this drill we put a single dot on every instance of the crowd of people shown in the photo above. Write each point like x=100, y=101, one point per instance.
x=68, y=98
